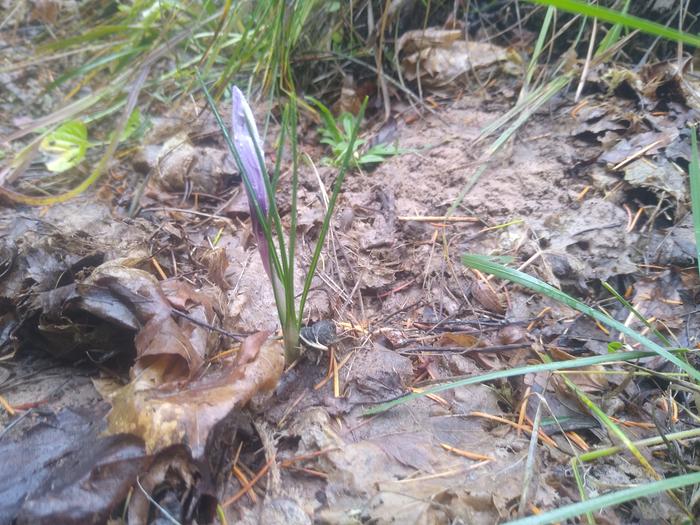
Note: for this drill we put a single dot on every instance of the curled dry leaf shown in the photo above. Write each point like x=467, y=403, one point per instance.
x=186, y=412
x=441, y=58
x=486, y=295
x=162, y=346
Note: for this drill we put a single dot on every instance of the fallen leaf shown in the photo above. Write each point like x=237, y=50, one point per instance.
x=185, y=412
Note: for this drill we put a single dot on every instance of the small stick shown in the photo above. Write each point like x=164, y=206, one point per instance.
x=437, y=218
x=286, y=463
x=336, y=379
x=578, y=440
x=635, y=219
x=7, y=406
x=638, y=154
x=542, y=436
x=244, y=481
x=465, y=453
x=158, y=268
x=232, y=335
x=238, y=495
x=523, y=408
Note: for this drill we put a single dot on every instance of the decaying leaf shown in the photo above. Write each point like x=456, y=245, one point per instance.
x=661, y=177
x=61, y=471
x=176, y=480
x=588, y=242
x=161, y=344
x=487, y=296
x=441, y=58
x=185, y=412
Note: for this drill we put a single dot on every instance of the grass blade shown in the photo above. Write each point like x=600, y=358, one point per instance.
x=608, y=500
x=694, y=171
x=484, y=264
x=95, y=64
x=512, y=372
x=523, y=109
x=626, y=20
x=605, y=420
x=635, y=312
x=97, y=171
x=539, y=45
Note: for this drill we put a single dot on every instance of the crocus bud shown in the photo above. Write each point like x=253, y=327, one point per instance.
x=246, y=139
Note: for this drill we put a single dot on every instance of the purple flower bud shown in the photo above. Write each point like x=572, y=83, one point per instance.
x=246, y=140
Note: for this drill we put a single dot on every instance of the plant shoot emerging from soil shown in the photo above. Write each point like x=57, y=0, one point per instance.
x=277, y=255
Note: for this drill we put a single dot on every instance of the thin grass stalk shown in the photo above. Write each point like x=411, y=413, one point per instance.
x=613, y=36
x=291, y=333
x=280, y=150
x=532, y=66
x=635, y=312
x=97, y=171
x=693, y=433
x=605, y=420
x=575, y=463
x=694, y=172
x=526, y=108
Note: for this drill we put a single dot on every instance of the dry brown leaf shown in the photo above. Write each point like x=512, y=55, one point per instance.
x=186, y=412
x=162, y=346
x=441, y=58
x=485, y=294
x=459, y=339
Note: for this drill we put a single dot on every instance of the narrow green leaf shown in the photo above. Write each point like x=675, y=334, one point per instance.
x=330, y=128
x=512, y=372
x=575, y=462
x=608, y=500
x=484, y=264
x=612, y=36
x=613, y=429
x=344, y=166
x=95, y=64
x=88, y=36
x=694, y=171
x=539, y=45
x=635, y=312
x=371, y=158
x=626, y=20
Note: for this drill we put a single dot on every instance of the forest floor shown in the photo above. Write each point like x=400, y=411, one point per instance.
x=586, y=192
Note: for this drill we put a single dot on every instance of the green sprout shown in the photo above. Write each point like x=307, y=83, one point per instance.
x=337, y=133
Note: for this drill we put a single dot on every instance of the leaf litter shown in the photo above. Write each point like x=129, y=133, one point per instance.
x=174, y=328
